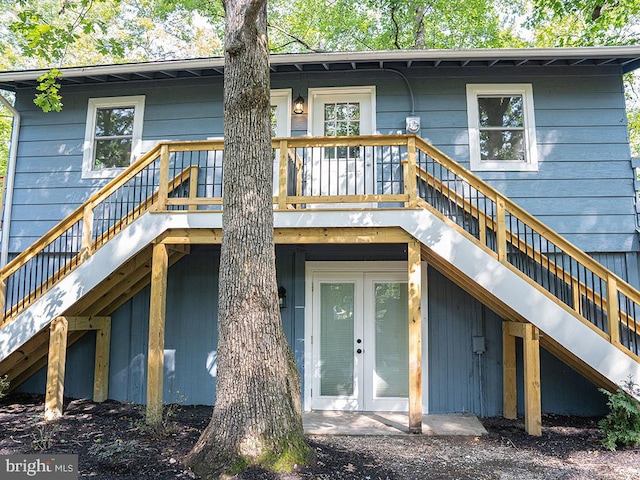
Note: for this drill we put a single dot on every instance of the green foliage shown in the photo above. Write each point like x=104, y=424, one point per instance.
x=5, y=139
x=44, y=437
x=585, y=22
x=4, y=386
x=119, y=453
x=49, y=98
x=621, y=426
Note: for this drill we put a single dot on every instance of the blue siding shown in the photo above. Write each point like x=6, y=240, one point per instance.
x=582, y=134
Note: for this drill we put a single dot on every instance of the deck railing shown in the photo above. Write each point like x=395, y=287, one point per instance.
x=397, y=171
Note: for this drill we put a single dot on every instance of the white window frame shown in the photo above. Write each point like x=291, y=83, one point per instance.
x=281, y=99
x=135, y=101
x=530, y=164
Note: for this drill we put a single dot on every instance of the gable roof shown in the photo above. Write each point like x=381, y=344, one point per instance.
x=627, y=58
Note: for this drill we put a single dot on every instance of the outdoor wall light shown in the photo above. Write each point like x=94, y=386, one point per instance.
x=298, y=105
x=282, y=297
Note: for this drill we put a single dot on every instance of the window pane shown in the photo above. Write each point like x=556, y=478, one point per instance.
x=114, y=121
x=112, y=153
x=501, y=111
x=336, y=344
x=502, y=145
x=274, y=120
x=391, y=377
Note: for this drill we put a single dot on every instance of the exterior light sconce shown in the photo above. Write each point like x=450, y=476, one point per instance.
x=282, y=297
x=298, y=105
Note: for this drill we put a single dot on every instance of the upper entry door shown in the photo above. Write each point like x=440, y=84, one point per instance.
x=341, y=170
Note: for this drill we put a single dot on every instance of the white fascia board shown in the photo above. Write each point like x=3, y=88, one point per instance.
x=339, y=57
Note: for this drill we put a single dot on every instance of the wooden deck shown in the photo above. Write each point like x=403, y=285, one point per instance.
x=362, y=176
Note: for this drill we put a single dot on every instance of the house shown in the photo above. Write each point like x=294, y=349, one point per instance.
x=467, y=243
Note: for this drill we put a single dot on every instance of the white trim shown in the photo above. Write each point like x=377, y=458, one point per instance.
x=135, y=101
x=477, y=54
x=281, y=99
x=531, y=151
x=368, y=92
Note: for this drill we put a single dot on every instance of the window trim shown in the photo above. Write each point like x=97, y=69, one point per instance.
x=281, y=99
x=476, y=90
x=135, y=101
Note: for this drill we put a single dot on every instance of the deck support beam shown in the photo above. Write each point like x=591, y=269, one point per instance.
x=58, y=340
x=157, y=312
x=509, y=395
x=531, y=356
x=54, y=396
x=415, y=336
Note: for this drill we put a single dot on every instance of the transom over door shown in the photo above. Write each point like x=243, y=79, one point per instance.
x=341, y=170
x=360, y=341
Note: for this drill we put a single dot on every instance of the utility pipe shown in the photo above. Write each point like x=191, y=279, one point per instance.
x=9, y=181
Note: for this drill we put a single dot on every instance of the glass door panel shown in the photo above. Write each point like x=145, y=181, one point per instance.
x=387, y=326
x=336, y=339
x=391, y=363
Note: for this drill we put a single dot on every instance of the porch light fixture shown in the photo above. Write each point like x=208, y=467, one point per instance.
x=282, y=297
x=298, y=105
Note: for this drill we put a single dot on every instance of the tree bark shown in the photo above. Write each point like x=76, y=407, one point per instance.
x=257, y=413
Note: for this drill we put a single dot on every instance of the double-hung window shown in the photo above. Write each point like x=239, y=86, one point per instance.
x=502, y=132
x=113, y=134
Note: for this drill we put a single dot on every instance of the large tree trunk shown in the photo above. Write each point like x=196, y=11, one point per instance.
x=257, y=414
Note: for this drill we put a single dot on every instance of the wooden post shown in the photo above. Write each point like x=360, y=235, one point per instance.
x=55, y=369
x=501, y=230
x=410, y=173
x=282, y=175
x=157, y=310
x=532, y=402
x=613, y=316
x=3, y=299
x=163, y=186
x=415, y=337
x=193, y=186
x=509, y=395
x=101, y=369
x=87, y=232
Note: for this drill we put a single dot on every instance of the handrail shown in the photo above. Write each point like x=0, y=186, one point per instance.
x=412, y=170
x=611, y=290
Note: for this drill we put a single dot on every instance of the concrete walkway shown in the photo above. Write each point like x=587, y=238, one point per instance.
x=382, y=423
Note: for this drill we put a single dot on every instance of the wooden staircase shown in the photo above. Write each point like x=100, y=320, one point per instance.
x=100, y=256
x=112, y=292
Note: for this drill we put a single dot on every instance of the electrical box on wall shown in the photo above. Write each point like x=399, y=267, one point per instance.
x=479, y=346
x=413, y=125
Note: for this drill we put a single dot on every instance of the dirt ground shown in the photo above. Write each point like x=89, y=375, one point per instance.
x=112, y=442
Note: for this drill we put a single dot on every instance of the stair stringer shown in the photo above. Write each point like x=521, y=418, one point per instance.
x=69, y=290
x=495, y=279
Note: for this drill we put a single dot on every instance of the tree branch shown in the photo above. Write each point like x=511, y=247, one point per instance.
x=396, y=28
x=295, y=38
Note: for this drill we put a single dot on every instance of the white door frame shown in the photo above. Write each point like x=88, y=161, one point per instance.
x=316, y=95
x=366, y=97
x=336, y=267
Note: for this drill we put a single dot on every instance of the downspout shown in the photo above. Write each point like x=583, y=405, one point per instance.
x=9, y=181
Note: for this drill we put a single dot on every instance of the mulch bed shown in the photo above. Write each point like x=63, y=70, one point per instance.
x=112, y=442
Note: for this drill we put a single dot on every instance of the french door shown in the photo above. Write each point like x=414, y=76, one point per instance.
x=360, y=341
